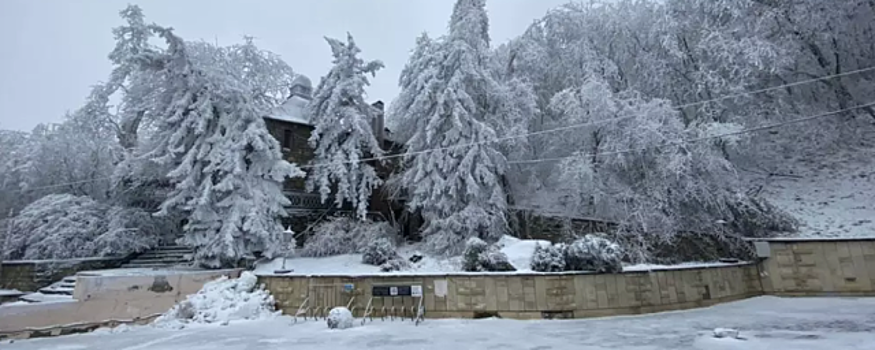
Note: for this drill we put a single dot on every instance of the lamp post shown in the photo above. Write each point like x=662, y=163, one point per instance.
x=289, y=240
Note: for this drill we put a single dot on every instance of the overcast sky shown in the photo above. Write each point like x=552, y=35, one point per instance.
x=52, y=51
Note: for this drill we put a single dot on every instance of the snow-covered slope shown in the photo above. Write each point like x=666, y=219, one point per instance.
x=832, y=196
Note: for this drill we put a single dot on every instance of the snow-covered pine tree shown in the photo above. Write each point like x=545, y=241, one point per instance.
x=226, y=169
x=459, y=190
x=418, y=82
x=343, y=133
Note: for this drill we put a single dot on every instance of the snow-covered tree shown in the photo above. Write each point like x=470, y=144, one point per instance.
x=344, y=235
x=58, y=226
x=344, y=133
x=225, y=168
x=459, y=190
x=419, y=84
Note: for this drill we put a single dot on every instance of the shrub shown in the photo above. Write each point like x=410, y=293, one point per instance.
x=343, y=235
x=495, y=260
x=394, y=264
x=593, y=253
x=548, y=258
x=379, y=251
x=474, y=247
x=479, y=256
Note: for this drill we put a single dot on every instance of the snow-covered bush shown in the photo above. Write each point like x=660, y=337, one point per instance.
x=379, y=251
x=474, y=248
x=548, y=258
x=395, y=264
x=222, y=301
x=343, y=235
x=479, y=256
x=57, y=226
x=130, y=230
x=340, y=318
x=593, y=253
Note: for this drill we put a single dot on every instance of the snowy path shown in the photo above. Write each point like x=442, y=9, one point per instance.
x=769, y=323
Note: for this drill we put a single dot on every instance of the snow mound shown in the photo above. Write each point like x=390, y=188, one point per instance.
x=222, y=301
x=519, y=252
x=339, y=318
x=725, y=333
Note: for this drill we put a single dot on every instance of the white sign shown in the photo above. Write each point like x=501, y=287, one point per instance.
x=440, y=288
x=393, y=290
x=416, y=291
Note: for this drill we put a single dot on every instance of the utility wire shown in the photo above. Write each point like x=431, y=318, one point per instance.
x=568, y=127
x=699, y=139
x=29, y=189
x=599, y=122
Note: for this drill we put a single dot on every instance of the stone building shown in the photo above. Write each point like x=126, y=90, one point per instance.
x=291, y=127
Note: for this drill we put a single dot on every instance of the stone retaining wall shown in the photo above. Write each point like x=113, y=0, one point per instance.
x=98, y=299
x=824, y=267
x=523, y=296
x=30, y=275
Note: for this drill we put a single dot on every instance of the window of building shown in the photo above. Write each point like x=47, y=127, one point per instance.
x=287, y=138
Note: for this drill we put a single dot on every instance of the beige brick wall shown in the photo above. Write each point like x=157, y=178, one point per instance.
x=820, y=267
x=525, y=296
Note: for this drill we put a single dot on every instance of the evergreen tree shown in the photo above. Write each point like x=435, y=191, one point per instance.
x=226, y=169
x=458, y=190
x=343, y=133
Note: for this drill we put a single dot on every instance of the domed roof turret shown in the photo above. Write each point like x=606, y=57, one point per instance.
x=302, y=87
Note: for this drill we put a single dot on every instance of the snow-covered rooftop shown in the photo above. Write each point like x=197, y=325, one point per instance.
x=291, y=111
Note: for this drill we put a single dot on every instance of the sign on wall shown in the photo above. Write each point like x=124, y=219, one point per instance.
x=440, y=288
x=396, y=291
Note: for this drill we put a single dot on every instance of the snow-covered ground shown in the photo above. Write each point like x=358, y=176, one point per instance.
x=7, y=292
x=766, y=323
x=832, y=196
x=519, y=253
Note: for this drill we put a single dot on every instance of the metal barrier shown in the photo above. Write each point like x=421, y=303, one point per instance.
x=318, y=304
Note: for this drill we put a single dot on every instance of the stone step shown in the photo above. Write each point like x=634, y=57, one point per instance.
x=158, y=262
x=143, y=266
x=163, y=256
x=172, y=248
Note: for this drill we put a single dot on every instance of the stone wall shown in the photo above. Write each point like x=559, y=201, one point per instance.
x=98, y=299
x=826, y=267
x=522, y=296
x=30, y=275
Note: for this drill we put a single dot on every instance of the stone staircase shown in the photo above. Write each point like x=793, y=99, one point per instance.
x=62, y=287
x=58, y=291
x=160, y=257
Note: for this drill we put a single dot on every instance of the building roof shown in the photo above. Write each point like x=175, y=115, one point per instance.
x=292, y=111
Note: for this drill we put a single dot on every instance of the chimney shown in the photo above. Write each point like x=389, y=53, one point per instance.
x=379, y=122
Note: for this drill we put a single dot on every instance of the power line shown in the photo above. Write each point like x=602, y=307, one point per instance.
x=29, y=189
x=573, y=126
x=599, y=122
x=699, y=139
